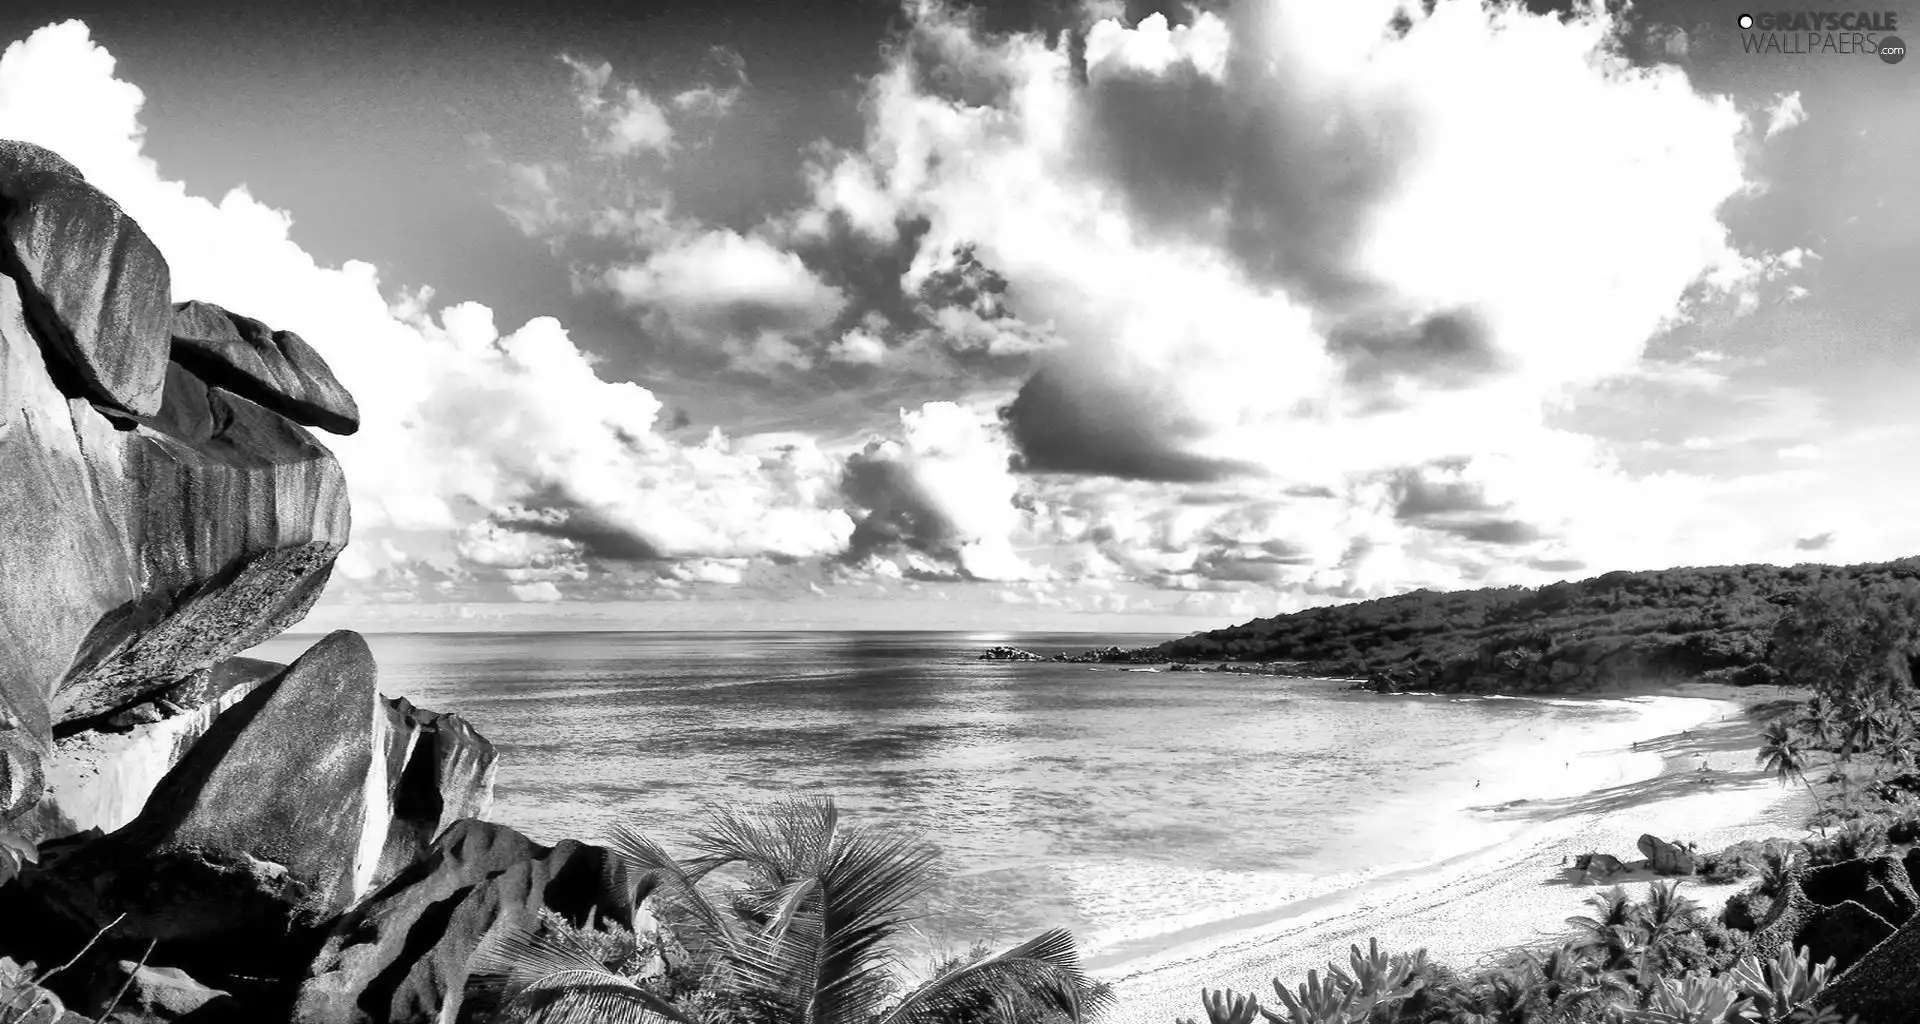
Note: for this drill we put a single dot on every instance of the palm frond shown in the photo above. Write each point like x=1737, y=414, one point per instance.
x=556, y=981
x=1044, y=969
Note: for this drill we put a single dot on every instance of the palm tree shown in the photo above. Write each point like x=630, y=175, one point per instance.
x=1613, y=935
x=804, y=936
x=1898, y=740
x=1782, y=753
x=1817, y=725
x=1503, y=997
x=1570, y=985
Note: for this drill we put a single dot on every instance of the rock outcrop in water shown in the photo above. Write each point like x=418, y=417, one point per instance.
x=163, y=509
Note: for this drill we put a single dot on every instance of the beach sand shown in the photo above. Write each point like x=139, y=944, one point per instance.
x=1474, y=908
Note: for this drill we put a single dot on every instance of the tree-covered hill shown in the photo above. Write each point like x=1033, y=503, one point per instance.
x=1621, y=628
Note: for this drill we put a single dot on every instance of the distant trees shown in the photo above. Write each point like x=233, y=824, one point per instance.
x=1718, y=622
x=1857, y=645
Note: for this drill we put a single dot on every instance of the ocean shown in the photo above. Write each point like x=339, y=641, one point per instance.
x=1132, y=807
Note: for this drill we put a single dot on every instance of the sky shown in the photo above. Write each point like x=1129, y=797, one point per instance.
x=1071, y=314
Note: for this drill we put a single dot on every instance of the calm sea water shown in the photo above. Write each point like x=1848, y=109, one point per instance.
x=1122, y=804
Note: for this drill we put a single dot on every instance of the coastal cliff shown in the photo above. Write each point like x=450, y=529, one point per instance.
x=1621, y=629
x=214, y=831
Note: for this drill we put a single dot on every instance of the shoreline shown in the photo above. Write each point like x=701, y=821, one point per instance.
x=1475, y=906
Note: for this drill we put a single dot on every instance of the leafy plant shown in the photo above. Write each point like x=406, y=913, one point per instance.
x=1780, y=986
x=1690, y=1000
x=1372, y=980
x=805, y=936
x=15, y=853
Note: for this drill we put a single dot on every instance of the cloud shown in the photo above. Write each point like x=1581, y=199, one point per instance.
x=728, y=290
x=1237, y=237
x=626, y=123
x=542, y=591
x=1801, y=451
x=942, y=491
x=1785, y=113
x=1225, y=315
x=1817, y=542
x=482, y=451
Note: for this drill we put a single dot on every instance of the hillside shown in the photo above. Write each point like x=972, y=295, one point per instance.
x=1623, y=627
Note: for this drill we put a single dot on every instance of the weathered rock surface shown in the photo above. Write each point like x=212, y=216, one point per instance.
x=131, y=558
x=156, y=995
x=1879, y=884
x=1844, y=932
x=94, y=286
x=400, y=957
x=276, y=369
x=1785, y=917
x=439, y=770
x=1883, y=987
x=101, y=779
x=279, y=817
x=1668, y=858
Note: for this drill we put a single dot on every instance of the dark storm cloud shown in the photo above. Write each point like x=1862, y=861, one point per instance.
x=553, y=513
x=1294, y=178
x=1457, y=507
x=899, y=511
x=1088, y=426
x=1416, y=497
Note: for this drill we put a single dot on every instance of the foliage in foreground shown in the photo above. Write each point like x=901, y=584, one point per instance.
x=1571, y=985
x=801, y=933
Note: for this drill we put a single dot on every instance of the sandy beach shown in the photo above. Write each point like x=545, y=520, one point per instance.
x=1519, y=893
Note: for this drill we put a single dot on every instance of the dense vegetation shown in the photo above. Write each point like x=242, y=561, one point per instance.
x=1621, y=628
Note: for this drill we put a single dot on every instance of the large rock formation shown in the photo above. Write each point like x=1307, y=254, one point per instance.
x=277, y=369
x=101, y=778
x=277, y=819
x=94, y=287
x=136, y=552
x=438, y=770
x=124, y=992
x=1667, y=858
x=401, y=956
x=162, y=509
x=1883, y=987
x=1843, y=933
x=1879, y=884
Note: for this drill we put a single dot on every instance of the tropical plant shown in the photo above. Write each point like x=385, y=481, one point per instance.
x=1570, y=984
x=1690, y=1000
x=15, y=852
x=1778, y=866
x=1783, y=989
x=804, y=935
x=1371, y=982
x=1783, y=754
x=1224, y=1007
x=1501, y=997
x=1614, y=934
x=1859, y=837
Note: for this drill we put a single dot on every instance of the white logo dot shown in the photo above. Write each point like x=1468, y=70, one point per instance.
x=1746, y=21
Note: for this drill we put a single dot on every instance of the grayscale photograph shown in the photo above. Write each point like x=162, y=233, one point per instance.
x=959, y=512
